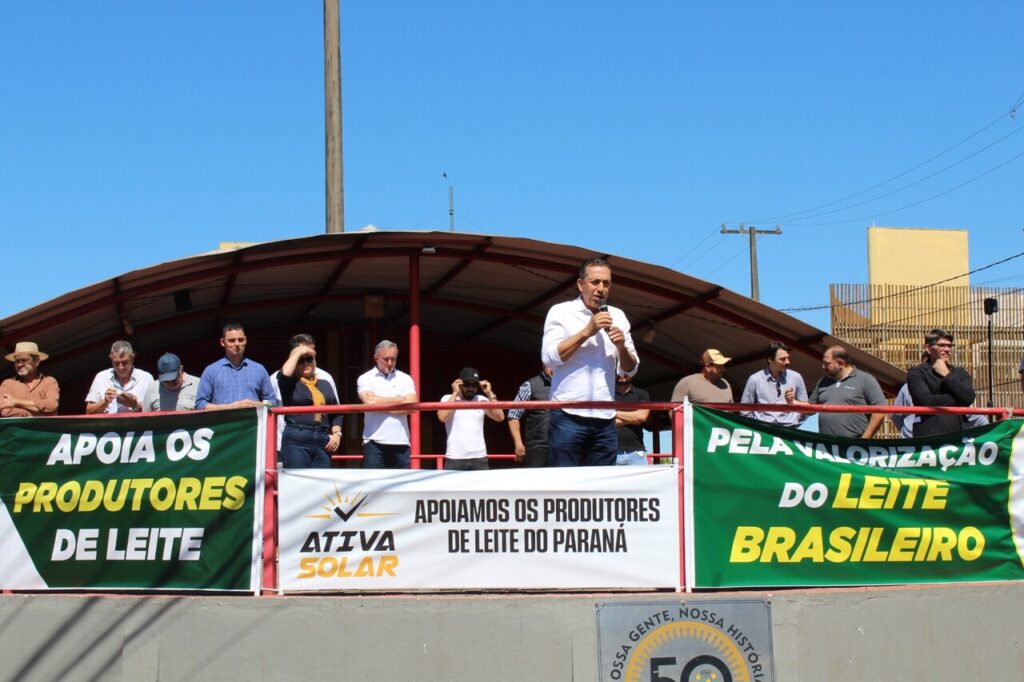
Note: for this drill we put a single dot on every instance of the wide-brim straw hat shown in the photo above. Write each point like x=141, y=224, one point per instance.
x=26, y=348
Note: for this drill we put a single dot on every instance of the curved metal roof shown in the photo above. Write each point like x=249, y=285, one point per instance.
x=491, y=289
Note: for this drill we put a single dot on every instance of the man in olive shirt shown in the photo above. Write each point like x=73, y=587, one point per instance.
x=708, y=385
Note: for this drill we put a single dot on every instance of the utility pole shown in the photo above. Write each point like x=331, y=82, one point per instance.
x=451, y=203
x=451, y=208
x=753, y=232
x=334, y=172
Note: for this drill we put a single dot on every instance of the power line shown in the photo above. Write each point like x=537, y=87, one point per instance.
x=694, y=247
x=707, y=250
x=872, y=216
x=1011, y=113
x=908, y=291
x=726, y=262
x=915, y=182
x=931, y=312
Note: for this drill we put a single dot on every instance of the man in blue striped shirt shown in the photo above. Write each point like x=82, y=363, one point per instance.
x=776, y=384
x=234, y=380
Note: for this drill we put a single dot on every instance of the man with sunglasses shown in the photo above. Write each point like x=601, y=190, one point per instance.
x=466, y=449
x=938, y=383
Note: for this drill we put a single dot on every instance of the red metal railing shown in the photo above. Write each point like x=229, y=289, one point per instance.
x=676, y=413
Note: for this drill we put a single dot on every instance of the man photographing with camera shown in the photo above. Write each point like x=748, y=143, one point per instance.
x=466, y=449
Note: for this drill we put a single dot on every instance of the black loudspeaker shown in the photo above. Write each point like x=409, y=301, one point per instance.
x=991, y=306
x=182, y=301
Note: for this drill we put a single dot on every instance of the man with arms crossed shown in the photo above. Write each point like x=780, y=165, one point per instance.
x=630, y=422
x=30, y=393
x=584, y=340
x=386, y=434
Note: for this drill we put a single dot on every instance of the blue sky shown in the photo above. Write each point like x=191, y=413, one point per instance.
x=132, y=133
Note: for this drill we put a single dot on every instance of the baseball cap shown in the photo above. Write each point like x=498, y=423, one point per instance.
x=716, y=357
x=469, y=374
x=168, y=366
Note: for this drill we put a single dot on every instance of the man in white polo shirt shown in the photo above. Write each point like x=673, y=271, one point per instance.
x=466, y=449
x=122, y=388
x=386, y=434
x=584, y=340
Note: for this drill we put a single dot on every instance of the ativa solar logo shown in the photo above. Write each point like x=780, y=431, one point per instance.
x=344, y=550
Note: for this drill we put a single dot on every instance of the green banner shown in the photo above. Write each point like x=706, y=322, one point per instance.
x=771, y=506
x=161, y=502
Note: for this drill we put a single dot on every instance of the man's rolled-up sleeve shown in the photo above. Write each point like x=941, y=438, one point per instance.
x=554, y=333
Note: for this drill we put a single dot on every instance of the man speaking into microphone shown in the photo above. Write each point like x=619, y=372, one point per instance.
x=585, y=342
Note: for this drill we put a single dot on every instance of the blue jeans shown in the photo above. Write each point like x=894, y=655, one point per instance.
x=303, y=448
x=580, y=441
x=637, y=458
x=385, y=456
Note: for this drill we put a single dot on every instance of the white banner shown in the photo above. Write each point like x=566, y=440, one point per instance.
x=592, y=527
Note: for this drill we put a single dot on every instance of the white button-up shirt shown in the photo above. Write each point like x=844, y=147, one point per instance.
x=590, y=373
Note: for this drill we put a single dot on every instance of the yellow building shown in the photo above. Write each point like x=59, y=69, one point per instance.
x=917, y=280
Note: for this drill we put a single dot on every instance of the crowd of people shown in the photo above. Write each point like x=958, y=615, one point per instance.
x=587, y=355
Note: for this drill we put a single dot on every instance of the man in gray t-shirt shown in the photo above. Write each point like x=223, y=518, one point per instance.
x=844, y=384
x=174, y=390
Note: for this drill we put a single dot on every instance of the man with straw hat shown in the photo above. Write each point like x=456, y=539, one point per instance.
x=30, y=393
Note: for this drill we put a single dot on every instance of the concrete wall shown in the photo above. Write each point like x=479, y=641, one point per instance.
x=936, y=633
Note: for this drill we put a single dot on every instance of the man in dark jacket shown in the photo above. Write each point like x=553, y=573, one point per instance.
x=937, y=383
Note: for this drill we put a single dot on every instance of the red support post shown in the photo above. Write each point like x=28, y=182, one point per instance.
x=270, y=509
x=677, y=453
x=414, y=356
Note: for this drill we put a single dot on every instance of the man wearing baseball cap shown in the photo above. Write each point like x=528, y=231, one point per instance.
x=30, y=393
x=466, y=449
x=708, y=385
x=174, y=390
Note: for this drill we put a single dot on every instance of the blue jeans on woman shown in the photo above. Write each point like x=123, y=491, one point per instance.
x=302, y=447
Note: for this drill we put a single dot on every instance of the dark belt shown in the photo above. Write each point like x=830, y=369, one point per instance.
x=307, y=427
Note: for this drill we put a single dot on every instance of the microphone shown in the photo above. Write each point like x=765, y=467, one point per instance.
x=602, y=305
